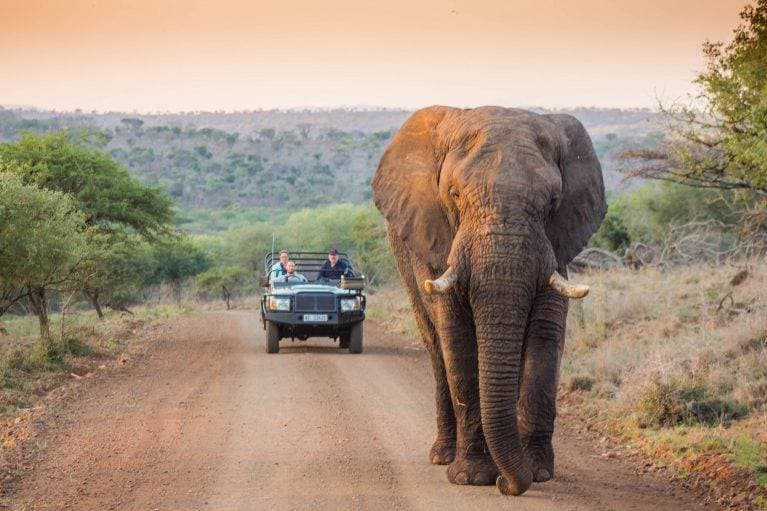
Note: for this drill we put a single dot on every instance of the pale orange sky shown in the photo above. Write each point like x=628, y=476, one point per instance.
x=154, y=55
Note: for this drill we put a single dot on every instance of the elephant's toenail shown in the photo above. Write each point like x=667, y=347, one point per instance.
x=542, y=475
x=462, y=478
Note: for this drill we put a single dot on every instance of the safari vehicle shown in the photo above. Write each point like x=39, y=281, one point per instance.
x=317, y=308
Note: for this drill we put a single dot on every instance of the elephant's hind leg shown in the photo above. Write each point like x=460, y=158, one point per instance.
x=538, y=390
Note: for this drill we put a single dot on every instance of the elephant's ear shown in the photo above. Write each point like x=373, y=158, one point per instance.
x=582, y=206
x=406, y=188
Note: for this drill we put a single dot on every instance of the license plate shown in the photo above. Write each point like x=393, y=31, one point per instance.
x=315, y=317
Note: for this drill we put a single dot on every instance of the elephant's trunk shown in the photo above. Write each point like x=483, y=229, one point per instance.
x=502, y=293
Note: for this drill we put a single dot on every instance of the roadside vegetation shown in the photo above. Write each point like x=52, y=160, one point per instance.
x=676, y=362
x=78, y=233
x=82, y=343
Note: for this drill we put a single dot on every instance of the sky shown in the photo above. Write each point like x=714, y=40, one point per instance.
x=189, y=55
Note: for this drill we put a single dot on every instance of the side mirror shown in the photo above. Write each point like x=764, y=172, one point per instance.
x=263, y=281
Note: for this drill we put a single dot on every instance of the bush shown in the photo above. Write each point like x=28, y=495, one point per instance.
x=681, y=401
x=649, y=213
x=581, y=383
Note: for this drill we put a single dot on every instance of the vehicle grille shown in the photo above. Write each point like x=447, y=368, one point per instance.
x=315, y=302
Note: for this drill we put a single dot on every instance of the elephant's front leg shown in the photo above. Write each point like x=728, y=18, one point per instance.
x=538, y=386
x=472, y=464
x=443, y=450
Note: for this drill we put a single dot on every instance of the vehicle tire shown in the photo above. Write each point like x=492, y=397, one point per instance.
x=343, y=340
x=272, y=337
x=355, y=338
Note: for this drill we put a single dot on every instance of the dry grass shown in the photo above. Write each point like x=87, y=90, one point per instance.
x=679, y=362
x=27, y=371
x=390, y=307
x=652, y=332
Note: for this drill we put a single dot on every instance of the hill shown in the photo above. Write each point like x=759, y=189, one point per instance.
x=278, y=159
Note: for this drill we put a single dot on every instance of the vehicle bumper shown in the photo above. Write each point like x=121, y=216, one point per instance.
x=293, y=324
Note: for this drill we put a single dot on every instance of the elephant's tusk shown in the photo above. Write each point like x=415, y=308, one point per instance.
x=564, y=288
x=442, y=284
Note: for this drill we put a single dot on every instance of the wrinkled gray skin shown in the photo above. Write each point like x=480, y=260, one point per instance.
x=504, y=197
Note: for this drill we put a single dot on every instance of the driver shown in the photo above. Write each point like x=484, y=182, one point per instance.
x=335, y=268
x=291, y=275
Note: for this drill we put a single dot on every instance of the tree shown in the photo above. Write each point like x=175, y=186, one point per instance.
x=118, y=269
x=724, y=145
x=227, y=282
x=44, y=243
x=176, y=259
x=102, y=189
x=112, y=201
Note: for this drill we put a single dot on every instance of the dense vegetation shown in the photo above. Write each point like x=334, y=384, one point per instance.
x=76, y=223
x=224, y=168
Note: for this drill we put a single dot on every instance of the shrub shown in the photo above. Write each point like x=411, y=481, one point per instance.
x=581, y=383
x=681, y=401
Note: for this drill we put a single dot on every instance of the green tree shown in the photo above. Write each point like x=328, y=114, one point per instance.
x=612, y=234
x=112, y=201
x=102, y=189
x=177, y=259
x=244, y=245
x=724, y=144
x=227, y=282
x=44, y=244
x=119, y=268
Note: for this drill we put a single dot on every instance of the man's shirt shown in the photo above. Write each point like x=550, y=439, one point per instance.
x=335, y=272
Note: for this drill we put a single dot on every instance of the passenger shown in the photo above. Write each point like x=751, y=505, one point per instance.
x=334, y=268
x=291, y=274
x=280, y=267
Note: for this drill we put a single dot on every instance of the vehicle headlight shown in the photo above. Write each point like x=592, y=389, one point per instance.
x=278, y=304
x=350, y=304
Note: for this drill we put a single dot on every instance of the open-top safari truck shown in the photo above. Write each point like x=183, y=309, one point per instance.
x=316, y=308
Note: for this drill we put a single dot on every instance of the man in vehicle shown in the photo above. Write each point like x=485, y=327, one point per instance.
x=280, y=267
x=291, y=275
x=334, y=268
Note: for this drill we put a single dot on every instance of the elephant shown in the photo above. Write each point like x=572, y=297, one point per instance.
x=484, y=208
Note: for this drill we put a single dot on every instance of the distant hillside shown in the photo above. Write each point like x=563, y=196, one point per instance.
x=276, y=158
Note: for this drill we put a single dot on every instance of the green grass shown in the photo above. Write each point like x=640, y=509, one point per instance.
x=750, y=455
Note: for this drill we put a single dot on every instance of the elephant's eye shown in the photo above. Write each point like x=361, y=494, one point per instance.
x=453, y=192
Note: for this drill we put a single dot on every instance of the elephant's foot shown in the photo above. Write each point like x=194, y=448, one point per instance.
x=442, y=452
x=541, y=456
x=474, y=469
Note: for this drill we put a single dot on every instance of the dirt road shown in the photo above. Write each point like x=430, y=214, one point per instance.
x=207, y=420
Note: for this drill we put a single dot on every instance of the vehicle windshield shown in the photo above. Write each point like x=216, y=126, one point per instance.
x=308, y=264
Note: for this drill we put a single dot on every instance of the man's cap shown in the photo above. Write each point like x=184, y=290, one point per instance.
x=332, y=251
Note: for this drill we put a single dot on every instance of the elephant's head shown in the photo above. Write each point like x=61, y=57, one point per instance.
x=497, y=201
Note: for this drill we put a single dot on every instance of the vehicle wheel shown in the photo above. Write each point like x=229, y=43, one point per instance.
x=343, y=340
x=355, y=338
x=272, y=337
